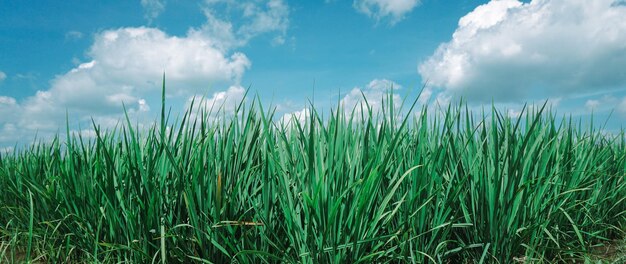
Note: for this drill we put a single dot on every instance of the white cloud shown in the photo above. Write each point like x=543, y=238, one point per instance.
x=9, y=110
x=273, y=17
x=7, y=100
x=380, y=9
x=592, y=104
x=510, y=51
x=125, y=67
x=6, y=150
x=372, y=95
x=224, y=102
x=300, y=116
x=220, y=106
x=255, y=18
x=425, y=95
x=2, y=76
x=442, y=100
x=606, y=103
x=143, y=105
x=152, y=9
x=358, y=99
x=84, y=133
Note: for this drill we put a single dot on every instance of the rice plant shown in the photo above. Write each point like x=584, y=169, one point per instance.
x=353, y=187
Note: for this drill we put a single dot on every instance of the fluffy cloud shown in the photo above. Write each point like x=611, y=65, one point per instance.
x=125, y=68
x=255, y=18
x=380, y=9
x=374, y=93
x=300, y=116
x=509, y=51
x=152, y=8
x=2, y=76
x=224, y=102
x=9, y=109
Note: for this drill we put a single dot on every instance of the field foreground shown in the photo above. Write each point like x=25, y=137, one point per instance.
x=353, y=186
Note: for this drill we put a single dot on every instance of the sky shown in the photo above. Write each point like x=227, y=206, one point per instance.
x=71, y=62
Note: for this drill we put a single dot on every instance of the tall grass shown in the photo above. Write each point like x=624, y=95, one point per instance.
x=443, y=187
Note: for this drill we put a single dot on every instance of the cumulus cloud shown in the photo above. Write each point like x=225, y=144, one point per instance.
x=372, y=95
x=395, y=10
x=509, y=50
x=152, y=9
x=358, y=99
x=300, y=117
x=254, y=18
x=223, y=102
x=9, y=109
x=2, y=76
x=125, y=67
x=125, y=63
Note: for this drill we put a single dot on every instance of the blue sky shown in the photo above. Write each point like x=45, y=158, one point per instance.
x=87, y=57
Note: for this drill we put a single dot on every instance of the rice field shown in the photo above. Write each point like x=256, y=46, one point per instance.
x=350, y=186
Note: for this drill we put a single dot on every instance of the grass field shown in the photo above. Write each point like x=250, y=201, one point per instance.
x=362, y=187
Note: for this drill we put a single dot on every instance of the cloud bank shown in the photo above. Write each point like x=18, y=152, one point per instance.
x=513, y=51
x=125, y=66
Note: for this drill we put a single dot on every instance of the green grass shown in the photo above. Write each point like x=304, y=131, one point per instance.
x=362, y=187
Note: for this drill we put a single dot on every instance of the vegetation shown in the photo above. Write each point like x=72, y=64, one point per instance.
x=360, y=187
